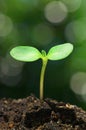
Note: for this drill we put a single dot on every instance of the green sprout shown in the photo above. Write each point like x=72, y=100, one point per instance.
x=29, y=54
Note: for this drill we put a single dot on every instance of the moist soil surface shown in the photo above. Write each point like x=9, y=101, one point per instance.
x=33, y=114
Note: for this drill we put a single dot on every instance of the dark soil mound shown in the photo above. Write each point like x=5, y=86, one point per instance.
x=32, y=114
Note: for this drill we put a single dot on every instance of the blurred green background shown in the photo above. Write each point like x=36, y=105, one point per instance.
x=43, y=24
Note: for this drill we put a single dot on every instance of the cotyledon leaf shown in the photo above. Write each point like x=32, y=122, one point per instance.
x=25, y=53
x=60, y=51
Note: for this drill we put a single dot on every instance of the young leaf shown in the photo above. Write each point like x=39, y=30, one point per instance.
x=60, y=51
x=25, y=53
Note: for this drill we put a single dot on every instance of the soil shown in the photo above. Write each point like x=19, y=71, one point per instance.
x=33, y=114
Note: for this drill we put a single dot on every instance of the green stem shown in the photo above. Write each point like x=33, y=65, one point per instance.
x=44, y=63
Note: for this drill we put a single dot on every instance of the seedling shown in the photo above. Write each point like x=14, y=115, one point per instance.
x=29, y=54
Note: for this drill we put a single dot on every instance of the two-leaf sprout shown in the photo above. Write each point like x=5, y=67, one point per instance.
x=29, y=54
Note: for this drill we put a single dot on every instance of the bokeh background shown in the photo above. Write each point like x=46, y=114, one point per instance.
x=43, y=24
